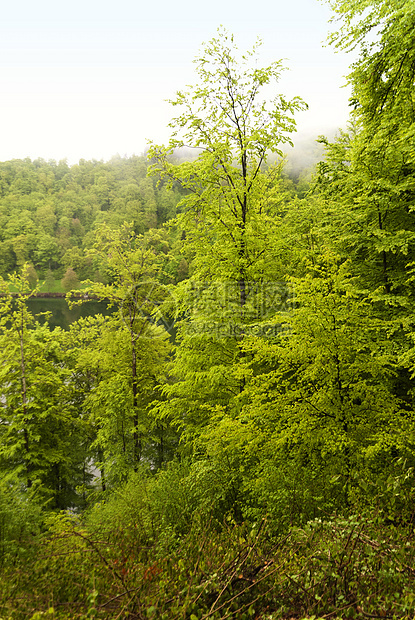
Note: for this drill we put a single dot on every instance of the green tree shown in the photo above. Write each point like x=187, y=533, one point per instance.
x=46, y=219
x=31, y=275
x=322, y=398
x=49, y=279
x=38, y=425
x=129, y=354
x=367, y=181
x=373, y=168
x=70, y=280
x=229, y=194
x=46, y=254
x=228, y=218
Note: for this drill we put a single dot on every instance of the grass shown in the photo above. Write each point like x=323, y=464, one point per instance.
x=51, y=286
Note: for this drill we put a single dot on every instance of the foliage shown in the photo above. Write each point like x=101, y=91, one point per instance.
x=229, y=192
x=373, y=169
x=38, y=420
x=366, y=184
x=49, y=210
x=263, y=466
x=125, y=354
x=230, y=219
x=346, y=567
x=70, y=280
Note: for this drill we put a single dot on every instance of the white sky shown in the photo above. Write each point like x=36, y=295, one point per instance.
x=89, y=78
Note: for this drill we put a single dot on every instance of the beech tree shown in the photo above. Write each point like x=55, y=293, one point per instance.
x=322, y=404
x=231, y=193
x=38, y=425
x=367, y=180
x=228, y=217
x=370, y=174
x=126, y=353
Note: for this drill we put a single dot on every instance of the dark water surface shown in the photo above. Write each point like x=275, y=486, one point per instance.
x=62, y=316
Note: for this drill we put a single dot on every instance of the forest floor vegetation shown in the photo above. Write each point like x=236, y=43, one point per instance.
x=118, y=562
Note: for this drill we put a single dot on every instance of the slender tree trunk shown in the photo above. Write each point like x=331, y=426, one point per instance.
x=23, y=392
x=136, y=439
x=384, y=258
x=102, y=470
x=242, y=246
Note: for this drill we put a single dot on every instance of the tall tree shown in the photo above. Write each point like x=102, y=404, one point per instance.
x=38, y=427
x=372, y=174
x=126, y=353
x=228, y=217
x=368, y=178
x=226, y=119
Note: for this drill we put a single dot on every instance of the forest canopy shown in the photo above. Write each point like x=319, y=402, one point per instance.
x=49, y=211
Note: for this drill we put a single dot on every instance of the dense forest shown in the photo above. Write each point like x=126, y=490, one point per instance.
x=49, y=211
x=236, y=440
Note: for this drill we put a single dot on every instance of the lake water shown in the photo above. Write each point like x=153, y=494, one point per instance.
x=62, y=316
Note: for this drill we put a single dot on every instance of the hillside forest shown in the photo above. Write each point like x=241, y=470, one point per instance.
x=236, y=439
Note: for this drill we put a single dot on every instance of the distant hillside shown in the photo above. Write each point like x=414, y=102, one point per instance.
x=50, y=210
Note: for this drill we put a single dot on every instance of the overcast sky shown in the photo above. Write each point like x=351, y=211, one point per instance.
x=89, y=78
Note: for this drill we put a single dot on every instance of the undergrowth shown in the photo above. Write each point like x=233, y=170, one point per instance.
x=352, y=567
